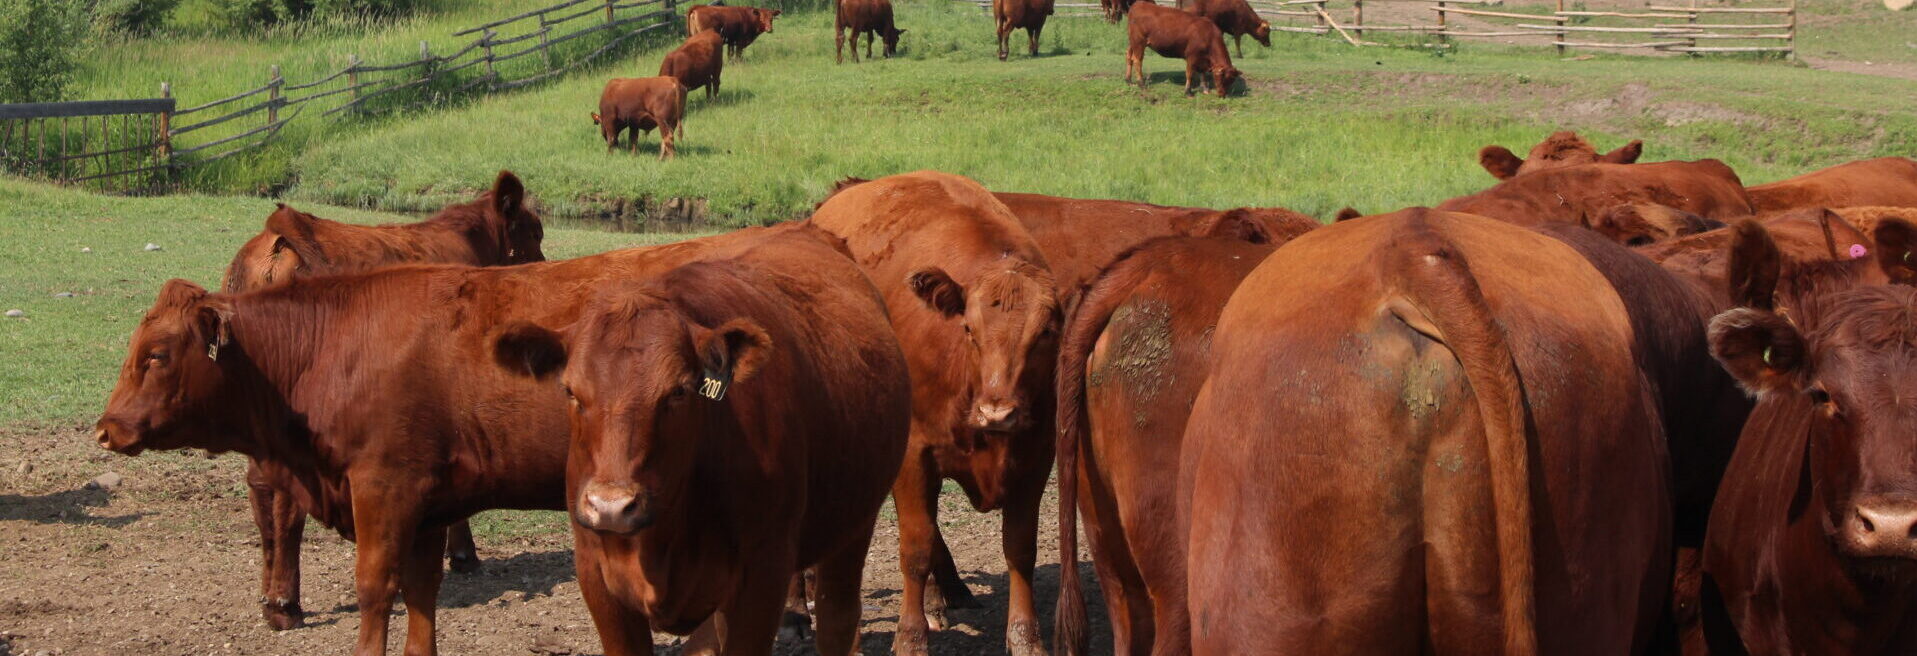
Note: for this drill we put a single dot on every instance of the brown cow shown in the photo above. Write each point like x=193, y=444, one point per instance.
x=738, y=25
x=1882, y=181
x=1363, y=455
x=495, y=229
x=733, y=421
x=1178, y=35
x=1561, y=149
x=696, y=63
x=1639, y=224
x=640, y=104
x=376, y=390
x=867, y=17
x=1813, y=542
x=1028, y=15
x=1130, y=363
x=1804, y=235
x=974, y=307
x=1707, y=188
x=1234, y=17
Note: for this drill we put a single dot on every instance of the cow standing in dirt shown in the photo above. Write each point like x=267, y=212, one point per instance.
x=1178, y=35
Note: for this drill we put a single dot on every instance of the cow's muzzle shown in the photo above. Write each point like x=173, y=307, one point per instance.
x=619, y=508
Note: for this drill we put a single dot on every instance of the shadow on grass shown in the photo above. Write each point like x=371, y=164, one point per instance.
x=68, y=507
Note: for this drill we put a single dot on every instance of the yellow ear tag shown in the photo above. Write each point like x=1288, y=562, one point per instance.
x=713, y=387
x=213, y=351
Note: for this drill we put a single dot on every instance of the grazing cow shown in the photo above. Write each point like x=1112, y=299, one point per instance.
x=733, y=421
x=867, y=17
x=1638, y=224
x=1561, y=149
x=376, y=391
x=1425, y=432
x=696, y=63
x=641, y=104
x=1019, y=14
x=495, y=229
x=1882, y=181
x=1812, y=546
x=1234, y=17
x=1178, y=35
x=1130, y=362
x=974, y=307
x=1707, y=188
x=738, y=26
x=1114, y=9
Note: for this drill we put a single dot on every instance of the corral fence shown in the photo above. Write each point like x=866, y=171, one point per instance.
x=504, y=54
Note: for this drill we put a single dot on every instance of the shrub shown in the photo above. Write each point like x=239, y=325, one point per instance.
x=134, y=17
x=39, y=42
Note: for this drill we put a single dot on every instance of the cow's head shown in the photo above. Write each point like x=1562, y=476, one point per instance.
x=506, y=209
x=1839, y=359
x=1010, y=316
x=890, y=35
x=1262, y=33
x=1224, y=77
x=1561, y=149
x=173, y=383
x=765, y=17
x=649, y=383
x=1638, y=224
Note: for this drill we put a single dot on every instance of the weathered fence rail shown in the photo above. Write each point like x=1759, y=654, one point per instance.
x=116, y=144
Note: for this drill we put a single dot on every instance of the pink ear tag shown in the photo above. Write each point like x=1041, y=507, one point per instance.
x=1857, y=251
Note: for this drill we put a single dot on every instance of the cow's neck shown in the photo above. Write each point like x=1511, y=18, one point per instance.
x=270, y=355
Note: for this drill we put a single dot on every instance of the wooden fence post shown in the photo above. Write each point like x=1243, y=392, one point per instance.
x=1791, y=38
x=165, y=153
x=492, y=75
x=545, y=45
x=1562, y=35
x=609, y=4
x=352, y=75
x=1442, y=37
x=1358, y=17
x=273, y=96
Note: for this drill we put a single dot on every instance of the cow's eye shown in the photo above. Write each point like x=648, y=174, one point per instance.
x=156, y=358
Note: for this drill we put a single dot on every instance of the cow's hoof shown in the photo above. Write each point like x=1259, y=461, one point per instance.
x=463, y=563
x=1021, y=639
x=794, y=627
x=282, y=617
x=909, y=641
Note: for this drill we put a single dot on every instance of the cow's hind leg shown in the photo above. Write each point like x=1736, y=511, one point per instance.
x=838, y=45
x=1239, y=41
x=1032, y=34
x=869, y=36
x=460, y=548
x=798, y=613
x=282, y=525
x=950, y=590
x=1004, y=36
x=839, y=578
x=419, y=579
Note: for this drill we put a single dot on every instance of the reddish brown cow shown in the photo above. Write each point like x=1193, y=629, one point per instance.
x=867, y=17
x=696, y=63
x=738, y=25
x=495, y=229
x=1028, y=15
x=733, y=421
x=1869, y=217
x=1234, y=17
x=974, y=307
x=1568, y=194
x=1363, y=455
x=376, y=391
x=1561, y=149
x=1813, y=542
x=1178, y=35
x=1882, y=181
x=640, y=104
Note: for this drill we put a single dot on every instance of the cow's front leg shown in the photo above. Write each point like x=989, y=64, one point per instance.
x=282, y=525
x=419, y=579
x=384, y=524
x=1020, y=543
x=914, y=495
x=461, y=551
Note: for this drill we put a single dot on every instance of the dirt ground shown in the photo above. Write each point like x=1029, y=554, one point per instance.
x=167, y=563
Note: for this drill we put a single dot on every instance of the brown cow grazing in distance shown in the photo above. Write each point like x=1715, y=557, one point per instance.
x=1234, y=17
x=1813, y=541
x=1028, y=15
x=696, y=63
x=495, y=229
x=975, y=309
x=639, y=105
x=738, y=26
x=1882, y=181
x=1130, y=363
x=733, y=422
x=1561, y=149
x=1637, y=224
x=1459, y=455
x=1567, y=194
x=867, y=17
x=1178, y=35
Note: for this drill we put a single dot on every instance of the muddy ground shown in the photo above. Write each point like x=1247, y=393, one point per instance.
x=167, y=562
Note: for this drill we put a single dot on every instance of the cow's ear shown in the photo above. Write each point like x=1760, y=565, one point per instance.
x=1896, y=238
x=529, y=350
x=215, y=318
x=1760, y=349
x=1753, y=267
x=938, y=290
x=1347, y=214
x=731, y=354
x=1627, y=154
x=1499, y=161
x=509, y=195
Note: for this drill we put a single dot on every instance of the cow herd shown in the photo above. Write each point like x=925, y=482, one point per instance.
x=1601, y=407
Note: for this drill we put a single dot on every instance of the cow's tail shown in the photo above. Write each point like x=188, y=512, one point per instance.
x=692, y=23
x=1446, y=301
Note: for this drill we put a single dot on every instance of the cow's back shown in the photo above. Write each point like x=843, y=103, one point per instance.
x=1707, y=188
x=1882, y=181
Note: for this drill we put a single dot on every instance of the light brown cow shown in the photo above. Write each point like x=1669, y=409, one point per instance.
x=697, y=63
x=1234, y=17
x=1561, y=149
x=868, y=17
x=1178, y=35
x=639, y=105
x=1569, y=194
x=1028, y=15
x=1881, y=181
x=738, y=25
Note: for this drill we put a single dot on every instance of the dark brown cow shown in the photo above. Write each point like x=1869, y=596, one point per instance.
x=974, y=307
x=1568, y=194
x=696, y=63
x=1813, y=541
x=1028, y=15
x=1178, y=35
x=1234, y=17
x=1561, y=149
x=868, y=17
x=378, y=393
x=1130, y=363
x=495, y=229
x=733, y=421
x=1114, y=9
x=640, y=104
x=738, y=25
x=1639, y=224
x=1882, y=181
x=1363, y=455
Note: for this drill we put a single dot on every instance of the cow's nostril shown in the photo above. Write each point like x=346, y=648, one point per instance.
x=1864, y=522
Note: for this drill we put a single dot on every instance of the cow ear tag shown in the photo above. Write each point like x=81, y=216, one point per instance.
x=715, y=384
x=213, y=351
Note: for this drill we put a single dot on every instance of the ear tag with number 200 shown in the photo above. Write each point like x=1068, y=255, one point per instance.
x=715, y=384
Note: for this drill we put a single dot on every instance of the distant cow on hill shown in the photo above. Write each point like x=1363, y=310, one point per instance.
x=738, y=26
x=867, y=17
x=1234, y=17
x=639, y=105
x=1179, y=35
x=697, y=63
x=1015, y=14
